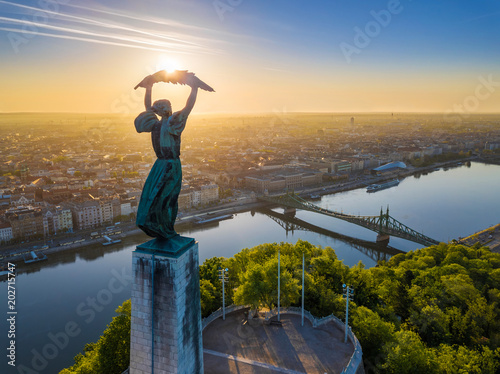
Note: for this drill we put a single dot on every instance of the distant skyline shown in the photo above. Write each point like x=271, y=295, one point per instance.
x=260, y=56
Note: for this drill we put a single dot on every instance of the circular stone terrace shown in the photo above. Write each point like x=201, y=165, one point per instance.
x=241, y=345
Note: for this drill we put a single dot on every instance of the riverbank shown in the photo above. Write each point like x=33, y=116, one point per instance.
x=489, y=237
x=366, y=180
x=188, y=220
x=15, y=253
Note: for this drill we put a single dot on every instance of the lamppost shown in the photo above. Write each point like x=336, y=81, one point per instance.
x=348, y=293
x=279, y=290
x=302, y=317
x=223, y=277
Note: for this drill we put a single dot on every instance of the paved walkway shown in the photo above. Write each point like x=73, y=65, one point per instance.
x=251, y=362
x=240, y=346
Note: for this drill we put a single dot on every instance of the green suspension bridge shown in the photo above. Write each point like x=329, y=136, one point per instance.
x=383, y=224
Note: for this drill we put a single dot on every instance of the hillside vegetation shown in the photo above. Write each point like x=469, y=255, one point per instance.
x=434, y=310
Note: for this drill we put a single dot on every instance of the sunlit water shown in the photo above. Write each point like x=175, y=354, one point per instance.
x=79, y=291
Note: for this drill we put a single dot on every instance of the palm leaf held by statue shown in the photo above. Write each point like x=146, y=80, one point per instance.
x=176, y=77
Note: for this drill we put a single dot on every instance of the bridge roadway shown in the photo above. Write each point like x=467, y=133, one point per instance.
x=383, y=224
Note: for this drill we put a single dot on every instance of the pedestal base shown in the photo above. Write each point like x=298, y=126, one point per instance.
x=166, y=313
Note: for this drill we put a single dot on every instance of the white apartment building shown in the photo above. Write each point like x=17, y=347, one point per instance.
x=5, y=232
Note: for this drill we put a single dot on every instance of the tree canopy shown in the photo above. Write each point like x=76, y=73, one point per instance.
x=433, y=310
x=111, y=354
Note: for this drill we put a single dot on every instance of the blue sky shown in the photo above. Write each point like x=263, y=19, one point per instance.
x=261, y=56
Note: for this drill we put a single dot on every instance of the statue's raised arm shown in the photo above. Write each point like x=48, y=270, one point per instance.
x=190, y=101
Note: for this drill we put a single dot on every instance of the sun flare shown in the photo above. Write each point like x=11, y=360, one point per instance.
x=167, y=63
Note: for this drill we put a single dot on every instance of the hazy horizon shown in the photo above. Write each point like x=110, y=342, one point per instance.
x=260, y=113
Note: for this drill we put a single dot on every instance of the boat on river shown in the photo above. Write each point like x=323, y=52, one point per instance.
x=381, y=186
x=110, y=241
x=4, y=271
x=34, y=257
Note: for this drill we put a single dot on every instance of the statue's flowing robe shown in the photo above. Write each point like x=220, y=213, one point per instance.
x=157, y=209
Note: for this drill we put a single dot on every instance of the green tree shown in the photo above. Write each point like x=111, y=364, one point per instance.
x=209, y=270
x=208, y=298
x=365, y=286
x=223, y=193
x=85, y=363
x=111, y=354
x=61, y=159
x=408, y=355
x=459, y=359
x=211, y=286
x=252, y=289
x=432, y=325
x=372, y=332
x=259, y=285
x=323, y=286
x=113, y=348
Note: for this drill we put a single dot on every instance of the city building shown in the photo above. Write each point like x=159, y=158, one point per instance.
x=23, y=199
x=492, y=145
x=286, y=179
x=26, y=222
x=209, y=193
x=5, y=232
x=199, y=194
x=107, y=212
x=341, y=166
x=65, y=218
x=4, y=202
x=184, y=201
x=57, y=219
x=86, y=214
x=357, y=164
x=389, y=168
x=128, y=206
x=125, y=208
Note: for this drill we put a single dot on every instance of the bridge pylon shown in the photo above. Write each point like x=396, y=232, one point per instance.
x=383, y=224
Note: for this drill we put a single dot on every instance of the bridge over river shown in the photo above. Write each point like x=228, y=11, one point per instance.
x=376, y=251
x=383, y=224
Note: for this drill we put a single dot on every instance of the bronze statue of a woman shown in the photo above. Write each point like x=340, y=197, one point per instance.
x=158, y=206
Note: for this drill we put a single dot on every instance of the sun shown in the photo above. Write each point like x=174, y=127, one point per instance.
x=168, y=63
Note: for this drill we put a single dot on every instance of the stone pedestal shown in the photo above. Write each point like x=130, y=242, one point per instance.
x=166, y=313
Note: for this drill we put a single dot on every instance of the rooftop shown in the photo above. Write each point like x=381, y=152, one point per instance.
x=391, y=165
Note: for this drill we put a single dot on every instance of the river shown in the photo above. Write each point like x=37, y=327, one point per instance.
x=67, y=301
